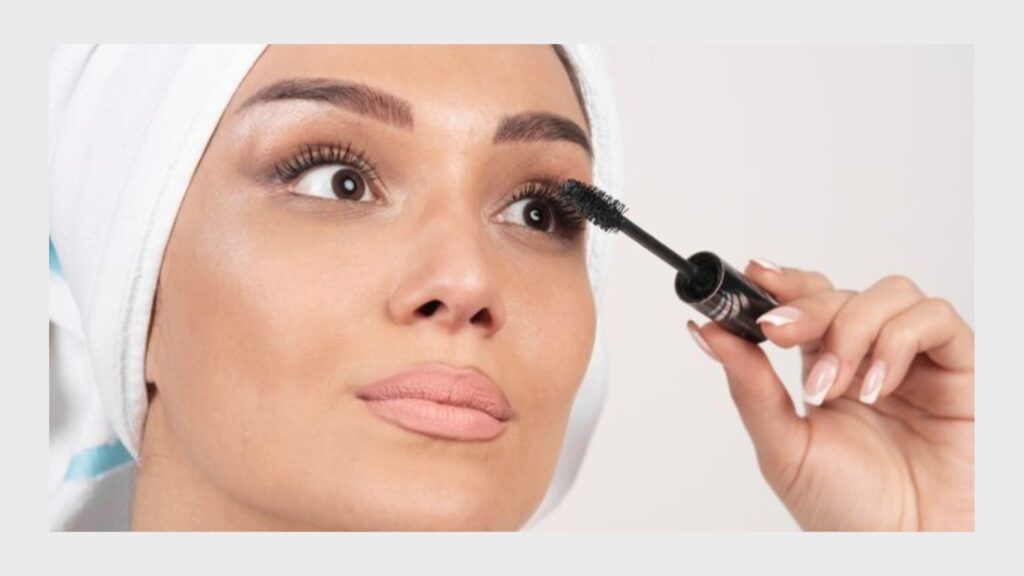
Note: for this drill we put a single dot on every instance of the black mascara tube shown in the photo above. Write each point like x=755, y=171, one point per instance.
x=704, y=281
x=710, y=285
x=724, y=295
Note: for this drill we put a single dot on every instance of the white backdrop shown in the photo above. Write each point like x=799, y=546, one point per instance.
x=856, y=161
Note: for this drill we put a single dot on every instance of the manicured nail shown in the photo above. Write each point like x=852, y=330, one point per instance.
x=821, y=378
x=766, y=264
x=692, y=327
x=781, y=316
x=873, y=382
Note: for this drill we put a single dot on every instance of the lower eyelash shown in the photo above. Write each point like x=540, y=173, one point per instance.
x=314, y=155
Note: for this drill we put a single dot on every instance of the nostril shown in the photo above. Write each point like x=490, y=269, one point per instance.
x=481, y=317
x=429, y=308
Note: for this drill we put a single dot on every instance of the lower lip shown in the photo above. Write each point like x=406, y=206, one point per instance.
x=440, y=420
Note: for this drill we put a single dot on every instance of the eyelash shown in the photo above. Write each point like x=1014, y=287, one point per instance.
x=568, y=219
x=324, y=154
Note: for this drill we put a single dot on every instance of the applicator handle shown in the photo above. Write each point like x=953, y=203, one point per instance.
x=725, y=295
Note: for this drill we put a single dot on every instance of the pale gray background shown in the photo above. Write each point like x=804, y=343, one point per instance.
x=856, y=161
x=1000, y=122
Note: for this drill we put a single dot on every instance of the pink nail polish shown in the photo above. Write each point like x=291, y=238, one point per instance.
x=820, y=380
x=781, y=316
x=873, y=382
x=766, y=264
x=692, y=327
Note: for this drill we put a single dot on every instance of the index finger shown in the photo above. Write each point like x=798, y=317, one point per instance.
x=784, y=282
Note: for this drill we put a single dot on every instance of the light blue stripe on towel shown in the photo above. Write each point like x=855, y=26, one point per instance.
x=95, y=461
x=54, y=262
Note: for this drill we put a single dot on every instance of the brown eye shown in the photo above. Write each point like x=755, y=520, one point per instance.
x=538, y=215
x=335, y=182
x=347, y=184
x=531, y=212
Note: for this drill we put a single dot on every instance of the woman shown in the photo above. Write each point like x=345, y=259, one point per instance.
x=358, y=211
x=363, y=211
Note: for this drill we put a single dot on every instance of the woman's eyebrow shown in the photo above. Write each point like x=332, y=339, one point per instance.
x=533, y=126
x=388, y=108
x=354, y=96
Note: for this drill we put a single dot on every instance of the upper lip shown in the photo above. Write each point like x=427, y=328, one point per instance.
x=467, y=386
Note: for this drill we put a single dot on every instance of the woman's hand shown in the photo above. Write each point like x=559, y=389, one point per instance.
x=888, y=440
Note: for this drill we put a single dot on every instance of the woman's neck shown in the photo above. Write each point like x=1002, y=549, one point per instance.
x=171, y=493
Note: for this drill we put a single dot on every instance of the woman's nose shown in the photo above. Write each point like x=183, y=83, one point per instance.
x=451, y=282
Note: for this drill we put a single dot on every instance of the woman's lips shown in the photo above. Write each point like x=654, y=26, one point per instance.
x=440, y=400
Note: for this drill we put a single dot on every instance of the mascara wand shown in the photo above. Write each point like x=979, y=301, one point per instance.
x=704, y=281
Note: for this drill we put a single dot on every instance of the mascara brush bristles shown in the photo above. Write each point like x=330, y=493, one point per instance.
x=600, y=208
x=609, y=214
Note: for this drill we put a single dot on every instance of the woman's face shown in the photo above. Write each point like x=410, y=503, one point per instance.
x=329, y=239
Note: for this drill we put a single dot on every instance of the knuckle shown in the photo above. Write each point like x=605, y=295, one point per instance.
x=943, y=307
x=832, y=298
x=899, y=283
x=896, y=335
x=818, y=281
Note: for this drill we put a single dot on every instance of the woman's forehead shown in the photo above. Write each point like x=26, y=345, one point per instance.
x=431, y=80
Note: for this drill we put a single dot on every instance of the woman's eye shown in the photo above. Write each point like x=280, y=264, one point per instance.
x=532, y=212
x=335, y=181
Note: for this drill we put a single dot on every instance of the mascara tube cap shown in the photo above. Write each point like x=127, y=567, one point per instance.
x=726, y=296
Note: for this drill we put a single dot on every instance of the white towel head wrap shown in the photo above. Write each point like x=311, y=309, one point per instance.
x=128, y=126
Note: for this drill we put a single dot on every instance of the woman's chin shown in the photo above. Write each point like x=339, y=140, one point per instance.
x=421, y=512
x=410, y=493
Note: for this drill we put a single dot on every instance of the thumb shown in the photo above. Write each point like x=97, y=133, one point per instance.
x=779, y=435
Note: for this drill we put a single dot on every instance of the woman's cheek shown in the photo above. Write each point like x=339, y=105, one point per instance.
x=234, y=286
x=558, y=331
x=556, y=335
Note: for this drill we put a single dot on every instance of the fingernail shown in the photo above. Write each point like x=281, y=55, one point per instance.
x=821, y=378
x=873, y=382
x=781, y=315
x=766, y=264
x=692, y=327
